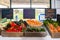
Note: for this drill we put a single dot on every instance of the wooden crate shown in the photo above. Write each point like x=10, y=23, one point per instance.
x=23, y=34
x=53, y=35
x=35, y=34
x=12, y=34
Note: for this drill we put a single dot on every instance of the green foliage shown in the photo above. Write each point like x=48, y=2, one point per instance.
x=35, y=30
x=47, y=21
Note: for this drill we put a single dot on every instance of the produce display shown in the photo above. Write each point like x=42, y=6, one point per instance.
x=34, y=23
x=15, y=26
x=54, y=26
x=22, y=26
x=35, y=30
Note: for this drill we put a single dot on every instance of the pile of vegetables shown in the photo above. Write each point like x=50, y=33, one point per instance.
x=35, y=30
x=34, y=23
x=21, y=26
x=53, y=25
x=3, y=23
x=15, y=26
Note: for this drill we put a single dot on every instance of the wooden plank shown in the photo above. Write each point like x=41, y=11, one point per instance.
x=35, y=34
x=12, y=34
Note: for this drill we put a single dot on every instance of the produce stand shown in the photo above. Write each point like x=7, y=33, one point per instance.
x=53, y=28
x=48, y=37
x=23, y=29
x=23, y=34
x=53, y=35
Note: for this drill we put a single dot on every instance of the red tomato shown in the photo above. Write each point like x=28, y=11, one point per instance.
x=20, y=28
x=8, y=30
x=13, y=30
x=12, y=24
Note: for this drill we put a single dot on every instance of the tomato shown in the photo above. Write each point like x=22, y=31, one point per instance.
x=13, y=24
x=20, y=28
x=8, y=30
x=14, y=30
